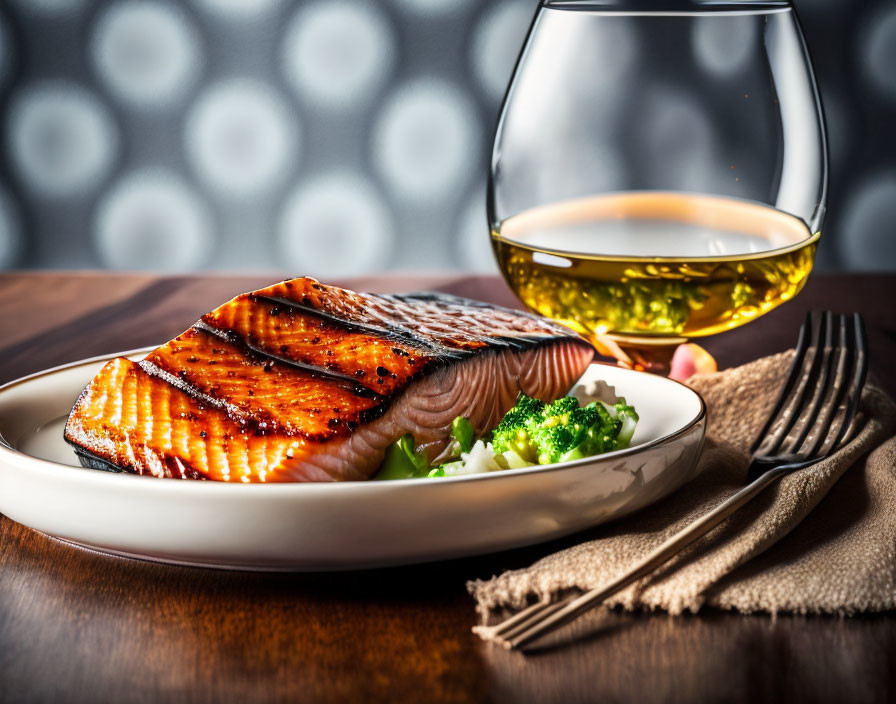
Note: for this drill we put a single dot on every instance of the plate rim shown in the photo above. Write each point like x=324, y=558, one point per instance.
x=165, y=483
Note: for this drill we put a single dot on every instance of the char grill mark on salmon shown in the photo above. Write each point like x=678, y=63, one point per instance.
x=218, y=372
x=307, y=382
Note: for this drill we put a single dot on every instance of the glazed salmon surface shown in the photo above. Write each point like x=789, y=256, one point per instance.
x=307, y=382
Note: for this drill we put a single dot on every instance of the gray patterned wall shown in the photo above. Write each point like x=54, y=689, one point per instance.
x=330, y=137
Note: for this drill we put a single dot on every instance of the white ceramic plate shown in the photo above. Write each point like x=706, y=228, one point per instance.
x=331, y=526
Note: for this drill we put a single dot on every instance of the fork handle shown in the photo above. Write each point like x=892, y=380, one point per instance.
x=661, y=555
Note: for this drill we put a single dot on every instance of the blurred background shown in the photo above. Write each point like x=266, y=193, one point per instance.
x=332, y=137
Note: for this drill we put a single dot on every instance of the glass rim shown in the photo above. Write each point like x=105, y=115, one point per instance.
x=672, y=7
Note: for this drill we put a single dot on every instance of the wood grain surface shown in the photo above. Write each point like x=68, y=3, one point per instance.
x=78, y=626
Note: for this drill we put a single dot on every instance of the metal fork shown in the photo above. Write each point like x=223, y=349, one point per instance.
x=812, y=417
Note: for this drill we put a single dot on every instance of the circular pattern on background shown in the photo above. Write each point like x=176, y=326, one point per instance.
x=866, y=229
x=497, y=41
x=338, y=53
x=426, y=140
x=723, y=44
x=336, y=225
x=146, y=52
x=241, y=138
x=51, y=7
x=151, y=77
x=474, y=246
x=434, y=7
x=10, y=231
x=61, y=138
x=152, y=220
x=238, y=9
x=879, y=49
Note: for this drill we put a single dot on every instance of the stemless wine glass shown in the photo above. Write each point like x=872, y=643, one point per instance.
x=659, y=169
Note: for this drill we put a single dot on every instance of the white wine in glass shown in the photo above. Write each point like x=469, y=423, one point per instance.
x=643, y=194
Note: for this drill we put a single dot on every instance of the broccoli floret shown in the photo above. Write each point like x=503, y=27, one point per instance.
x=552, y=442
x=562, y=427
x=561, y=406
x=525, y=410
x=600, y=437
x=563, y=430
x=512, y=432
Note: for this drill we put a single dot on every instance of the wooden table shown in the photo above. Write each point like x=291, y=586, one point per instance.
x=77, y=626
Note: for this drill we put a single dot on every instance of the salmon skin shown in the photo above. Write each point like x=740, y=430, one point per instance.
x=307, y=382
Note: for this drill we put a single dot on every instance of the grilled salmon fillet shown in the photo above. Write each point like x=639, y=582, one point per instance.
x=307, y=382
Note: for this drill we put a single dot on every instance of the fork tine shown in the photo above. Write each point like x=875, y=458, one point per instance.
x=842, y=379
x=860, y=374
x=791, y=413
x=522, y=616
x=808, y=416
x=796, y=366
x=507, y=635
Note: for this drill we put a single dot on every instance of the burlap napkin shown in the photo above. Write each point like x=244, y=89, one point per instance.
x=821, y=541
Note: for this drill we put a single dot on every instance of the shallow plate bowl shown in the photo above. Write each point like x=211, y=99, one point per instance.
x=332, y=526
